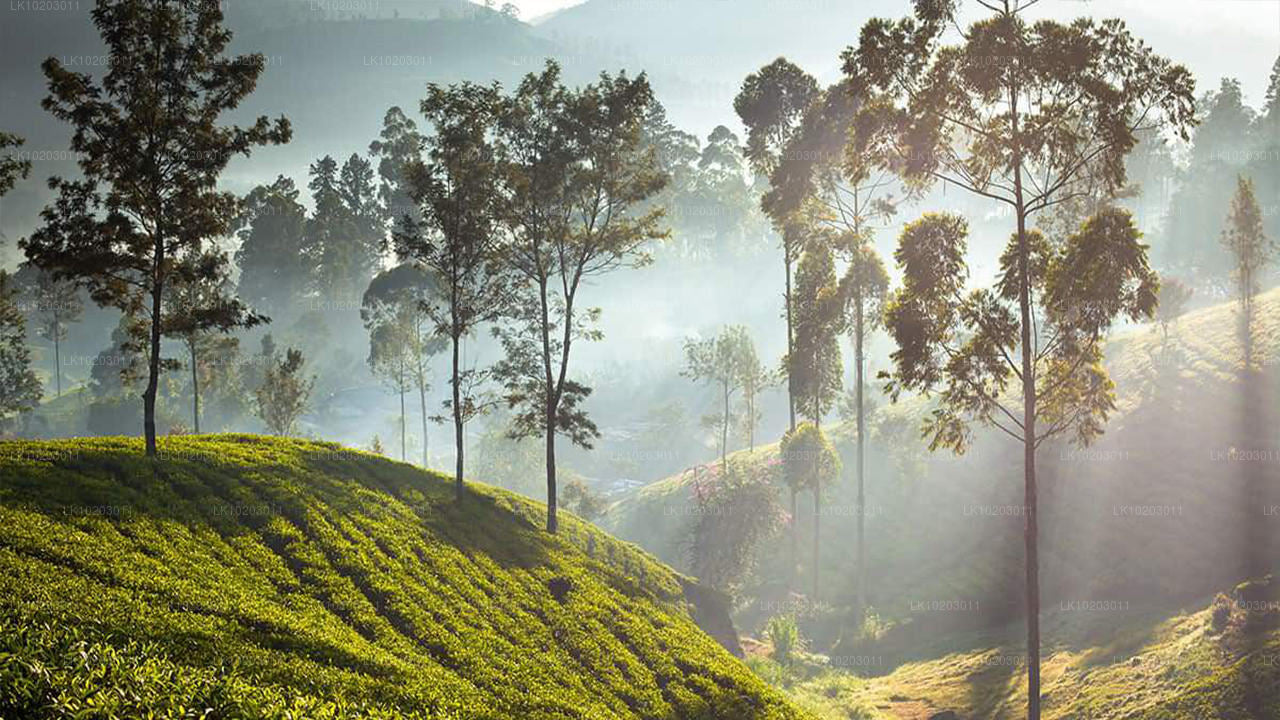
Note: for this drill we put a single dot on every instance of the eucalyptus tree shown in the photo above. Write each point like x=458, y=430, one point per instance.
x=150, y=150
x=1250, y=252
x=398, y=144
x=12, y=169
x=724, y=361
x=55, y=304
x=198, y=308
x=272, y=229
x=457, y=241
x=577, y=176
x=403, y=337
x=809, y=461
x=20, y=388
x=1027, y=115
x=771, y=104
x=814, y=364
x=863, y=289
x=285, y=392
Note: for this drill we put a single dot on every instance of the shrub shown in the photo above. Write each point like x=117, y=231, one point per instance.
x=784, y=635
x=1221, y=614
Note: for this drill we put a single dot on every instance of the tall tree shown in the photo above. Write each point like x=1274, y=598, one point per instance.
x=576, y=174
x=1027, y=115
x=1219, y=152
x=150, y=150
x=20, y=389
x=272, y=227
x=771, y=104
x=814, y=364
x=809, y=461
x=754, y=378
x=12, y=169
x=1250, y=251
x=402, y=337
x=457, y=191
x=863, y=289
x=345, y=230
x=722, y=361
x=198, y=308
x=398, y=144
x=391, y=326
x=56, y=304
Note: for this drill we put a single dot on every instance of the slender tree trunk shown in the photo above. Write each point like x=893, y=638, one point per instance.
x=791, y=405
x=550, y=402
x=1031, y=527
x=153, y=361
x=724, y=432
x=860, y=575
x=791, y=343
x=817, y=489
x=57, y=356
x=426, y=449
x=795, y=540
x=195, y=389
x=457, y=423
x=817, y=526
x=404, y=450
x=553, y=522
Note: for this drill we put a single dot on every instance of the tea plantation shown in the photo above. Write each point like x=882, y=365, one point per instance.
x=242, y=577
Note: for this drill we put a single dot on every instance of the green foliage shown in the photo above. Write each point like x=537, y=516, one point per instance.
x=576, y=176
x=967, y=341
x=814, y=367
x=581, y=501
x=345, y=233
x=457, y=237
x=729, y=362
x=285, y=392
x=11, y=169
x=784, y=635
x=20, y=389
x=55, y=304
x=272, y=227
x=146, y=207
x=1250, y=251
x=255, y=578
x=808, y=459
x=737, y=510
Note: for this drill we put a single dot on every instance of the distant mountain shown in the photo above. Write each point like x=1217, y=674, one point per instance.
x=702, y=49
x=333, y=75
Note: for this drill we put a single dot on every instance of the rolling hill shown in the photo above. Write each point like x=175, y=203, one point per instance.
x=245, y=577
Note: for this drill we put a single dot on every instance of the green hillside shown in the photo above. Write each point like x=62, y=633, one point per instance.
x=240, y=577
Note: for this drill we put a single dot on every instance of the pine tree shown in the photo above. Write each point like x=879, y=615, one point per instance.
x=150, y=151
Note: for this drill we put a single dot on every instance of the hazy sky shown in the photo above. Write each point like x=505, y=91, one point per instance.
x=531, y=9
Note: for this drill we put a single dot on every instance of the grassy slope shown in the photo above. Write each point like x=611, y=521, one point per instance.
x=1135, y=665
x=281, y=578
